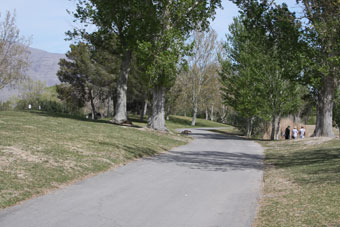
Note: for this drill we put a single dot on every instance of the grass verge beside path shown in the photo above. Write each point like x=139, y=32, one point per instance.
x=176, y=122
x=40, y=151
x=301, y=183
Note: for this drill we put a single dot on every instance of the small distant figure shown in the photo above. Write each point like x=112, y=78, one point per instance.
x=29, y=106
x=302, y=132
x=295, y=133
x=39, y=108
x=287, y=133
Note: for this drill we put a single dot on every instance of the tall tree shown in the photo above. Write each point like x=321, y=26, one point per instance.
x=82, y=73
x=259, y=65
x=14, y=53
x=131, y=22
x=323, y=34
x=202, y=66
x=177, y=19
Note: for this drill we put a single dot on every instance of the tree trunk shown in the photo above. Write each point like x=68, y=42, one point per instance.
x=93, y=108
x=145, y=109
x=324, y=118
x=249, y=127
x=272, y=135
x=120, y=110
x=108, y=107
x=194, y=112
x=278, y=131
x=224, y=114
x=206, y=114
x=157, y=121
x=212, y=113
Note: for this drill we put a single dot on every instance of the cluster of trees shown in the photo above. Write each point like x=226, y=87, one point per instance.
x=274, y=61
x=145, y=40
x=158, y=57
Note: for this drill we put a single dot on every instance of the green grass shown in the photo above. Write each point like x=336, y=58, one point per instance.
x=41, y=151
x=301, y=183
x=176, y=122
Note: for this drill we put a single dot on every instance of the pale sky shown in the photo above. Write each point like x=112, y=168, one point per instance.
x=46, y=21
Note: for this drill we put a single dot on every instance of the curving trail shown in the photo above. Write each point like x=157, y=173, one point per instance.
x=214, y=181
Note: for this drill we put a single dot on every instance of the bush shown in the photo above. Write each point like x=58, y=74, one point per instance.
x=5, y=106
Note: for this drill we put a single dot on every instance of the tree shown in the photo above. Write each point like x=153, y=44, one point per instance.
x=323, y=35
x=130, y=22
x=202, y=67
x=14, y=52
x=276, y=32
x=259, y=64
x=176, y=20
x=82, y=73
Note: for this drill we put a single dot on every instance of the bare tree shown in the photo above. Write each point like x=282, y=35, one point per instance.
x=14, y=54
x=202, y=66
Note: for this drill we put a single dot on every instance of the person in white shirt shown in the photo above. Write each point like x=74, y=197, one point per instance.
x=302, y=132
x=294, y=133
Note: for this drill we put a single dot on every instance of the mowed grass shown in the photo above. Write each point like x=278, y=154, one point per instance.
x=40, y=151
x=176, y=122
x=301, y=183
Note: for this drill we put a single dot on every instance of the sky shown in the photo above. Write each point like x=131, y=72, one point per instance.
x=46, y=21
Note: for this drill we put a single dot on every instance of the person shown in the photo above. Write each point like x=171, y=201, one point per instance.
x=287, y=133
x=294, y=133
x=302, y=132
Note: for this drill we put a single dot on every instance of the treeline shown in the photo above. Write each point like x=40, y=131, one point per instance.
x=132, y=54
x=279, y=64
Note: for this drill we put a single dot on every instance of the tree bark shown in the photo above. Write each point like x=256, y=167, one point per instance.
x=145, y=109
x=120, y=109
x=108, y=107
x=93, y=108
x=212, y=113
x=206, y=114
x=157, y=120
x=324, y=118
x=272, y=135
x=278, y=131
x=194, y=112
x=249, y=127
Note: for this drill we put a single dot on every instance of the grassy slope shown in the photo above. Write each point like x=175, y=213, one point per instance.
x=301, y=183
x=40, y=151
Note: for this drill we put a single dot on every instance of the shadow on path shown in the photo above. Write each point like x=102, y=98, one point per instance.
x=212, y=160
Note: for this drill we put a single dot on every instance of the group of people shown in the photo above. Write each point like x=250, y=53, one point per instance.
x=295, y=133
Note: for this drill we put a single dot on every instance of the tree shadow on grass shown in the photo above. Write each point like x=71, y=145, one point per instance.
x=318, y=165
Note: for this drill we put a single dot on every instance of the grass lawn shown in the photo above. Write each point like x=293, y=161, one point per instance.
x=41, y=151
x=176, y=122
x=301, y=183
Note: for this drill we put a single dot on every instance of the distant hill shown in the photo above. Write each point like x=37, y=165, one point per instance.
x=44, y=67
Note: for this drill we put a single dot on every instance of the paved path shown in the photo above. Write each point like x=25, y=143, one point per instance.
x=212, y=182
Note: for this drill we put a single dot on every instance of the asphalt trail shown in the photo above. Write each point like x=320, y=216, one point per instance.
x=214, y=181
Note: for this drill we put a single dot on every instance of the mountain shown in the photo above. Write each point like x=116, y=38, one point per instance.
x=44, y=67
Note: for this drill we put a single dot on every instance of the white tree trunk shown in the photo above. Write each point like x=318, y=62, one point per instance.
x=212, y=113
x=194, y=112
x=206, y=114
x=145, y=109
x=120, y=110
x=324, y=118
x=157, y=120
